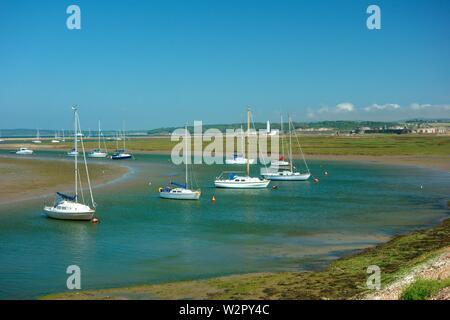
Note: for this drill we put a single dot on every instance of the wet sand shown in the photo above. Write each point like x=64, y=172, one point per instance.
x=25, y=179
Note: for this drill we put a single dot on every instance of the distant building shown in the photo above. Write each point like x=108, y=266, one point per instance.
x=432, y=130
x=385, y=129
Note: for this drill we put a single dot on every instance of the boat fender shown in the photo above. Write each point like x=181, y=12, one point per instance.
x=274, y=187
x=325, y=173
x=316, y=180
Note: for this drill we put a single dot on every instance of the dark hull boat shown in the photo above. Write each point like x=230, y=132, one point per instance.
x=120, y=155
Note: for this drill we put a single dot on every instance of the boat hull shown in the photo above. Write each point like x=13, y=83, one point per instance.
x=241, y=185
x=180, y=196
x=121, y=157
x=239, y=161
x=76, y=216
x=291, y=177
x=97, y=155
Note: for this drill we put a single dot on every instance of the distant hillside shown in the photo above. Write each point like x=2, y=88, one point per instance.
x=333, y=125
x=45, y=133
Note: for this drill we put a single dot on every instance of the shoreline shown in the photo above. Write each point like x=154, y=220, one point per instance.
x=402, y=259
x=438, y=162
x=50, y=180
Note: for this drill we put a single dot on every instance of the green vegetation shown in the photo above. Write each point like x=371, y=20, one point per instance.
x=423, y=289
x=332, y=125
x=343, y=279
x=372, y=145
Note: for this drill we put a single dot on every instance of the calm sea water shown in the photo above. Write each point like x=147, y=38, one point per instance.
x=145, y=239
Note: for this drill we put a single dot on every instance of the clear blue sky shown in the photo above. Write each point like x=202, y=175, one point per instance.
x=162, y=63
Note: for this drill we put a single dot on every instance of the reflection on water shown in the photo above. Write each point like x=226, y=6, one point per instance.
x=142, y=238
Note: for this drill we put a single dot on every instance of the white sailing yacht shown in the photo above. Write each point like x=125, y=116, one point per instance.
x=282, y=159
x=179, y=191
x=99, y=153
x=234, y=181
x=74, y=152
x=38, y=139
x=290, y=174
x=239, y=158
x=68, y=207
x=56, y=139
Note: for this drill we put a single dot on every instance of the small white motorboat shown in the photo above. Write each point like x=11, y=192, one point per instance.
x=24, y=151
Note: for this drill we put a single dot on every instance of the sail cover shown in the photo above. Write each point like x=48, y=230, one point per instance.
x=66, y=197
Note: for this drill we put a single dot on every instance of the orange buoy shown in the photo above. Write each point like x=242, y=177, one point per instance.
x=213, y=199
x=95, y=220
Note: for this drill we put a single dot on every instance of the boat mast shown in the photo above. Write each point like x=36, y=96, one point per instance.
x=281, y=136
x=186, y=155
x=248, y=138
x=290, y=144
x=99, y=135
x=76, y=151
x=242, y=141
x=123, y=135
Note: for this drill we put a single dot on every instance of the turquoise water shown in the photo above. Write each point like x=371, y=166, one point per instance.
x=145, y=239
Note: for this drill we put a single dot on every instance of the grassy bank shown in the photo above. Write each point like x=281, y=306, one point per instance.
x=343, y=279
x=371, y=145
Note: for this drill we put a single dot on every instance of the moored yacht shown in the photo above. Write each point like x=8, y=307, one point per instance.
x=121, y=154
x=281, y=173
x=24, y=151
x=98, y=153
x=73, y=152
x=177, y=191
x=68, y=207
x=239, y=159
x=56, y=139
x=38, y=139
x=233, y=181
